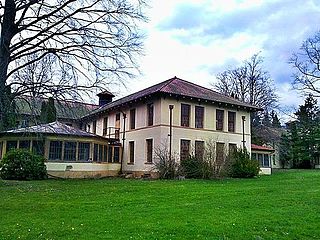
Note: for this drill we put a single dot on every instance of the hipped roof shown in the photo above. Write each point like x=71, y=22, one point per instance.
x=177, y=87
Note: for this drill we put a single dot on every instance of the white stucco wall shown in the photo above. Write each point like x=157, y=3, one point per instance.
x=160, y=129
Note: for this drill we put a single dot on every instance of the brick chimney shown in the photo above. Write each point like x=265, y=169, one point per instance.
x=105, y=98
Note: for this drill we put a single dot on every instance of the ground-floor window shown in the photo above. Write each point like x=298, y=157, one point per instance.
x=84, y=151
x=55, y=150
x=199, y=149
x=149, y=143
x=131, y=152
x=11, y=145
x=70, y=149
x=264, y=159
x=116, y=154
x=38, y=147
x=24, y=144
x=184, y=149
x=220, y=154
x=1, y=146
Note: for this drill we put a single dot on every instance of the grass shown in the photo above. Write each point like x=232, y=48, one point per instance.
x=285, y=205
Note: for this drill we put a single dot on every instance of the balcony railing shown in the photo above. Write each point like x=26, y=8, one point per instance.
x=112, y=132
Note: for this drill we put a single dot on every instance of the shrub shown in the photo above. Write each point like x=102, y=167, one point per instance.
x=242, y=166
x=194, y=167
x=22, y=165
x=167, y=168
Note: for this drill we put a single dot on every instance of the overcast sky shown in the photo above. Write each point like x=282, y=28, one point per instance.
x=196, y=39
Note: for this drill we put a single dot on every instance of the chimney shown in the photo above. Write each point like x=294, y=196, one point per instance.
x=105, y=98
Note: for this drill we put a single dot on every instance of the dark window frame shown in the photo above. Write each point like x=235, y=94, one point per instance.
x=84, y=151
x=131, y=152
x=55, y=150
x=184, y=149
x=149, y=146
x=132, y=118
x=219, y=119
x=199, y=149
x=70, y=151
x=231, y=121
x=199, y=116
x=150, y=114
x=185, y=115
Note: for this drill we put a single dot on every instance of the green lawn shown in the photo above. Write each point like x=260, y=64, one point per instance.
x=285, y=205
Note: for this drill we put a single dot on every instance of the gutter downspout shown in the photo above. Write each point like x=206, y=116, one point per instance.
x=170, y=133
x=243, y=139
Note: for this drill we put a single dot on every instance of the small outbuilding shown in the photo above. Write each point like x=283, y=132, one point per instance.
x=263, y=155
x=70, y=152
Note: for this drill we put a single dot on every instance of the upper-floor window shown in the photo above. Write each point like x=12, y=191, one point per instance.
x=185, y=115
x=219, y=119
x=150, y=114
x=133, y=118
x=231, y=121
x=94, y=127
x=199, y=115
x=105, y=126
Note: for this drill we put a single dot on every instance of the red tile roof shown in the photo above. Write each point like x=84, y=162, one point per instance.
x=177, y=87
x=261, y=148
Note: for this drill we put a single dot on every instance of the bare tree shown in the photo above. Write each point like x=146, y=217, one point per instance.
x=307, y=65
x=86, y=42
x=249, y=82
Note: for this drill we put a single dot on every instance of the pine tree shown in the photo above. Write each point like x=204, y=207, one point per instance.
x=275, y=122
x=48, y=111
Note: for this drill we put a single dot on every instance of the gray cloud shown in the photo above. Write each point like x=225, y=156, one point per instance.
x=283, y=24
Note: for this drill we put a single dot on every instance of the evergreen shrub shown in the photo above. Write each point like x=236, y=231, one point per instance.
x=21, y=164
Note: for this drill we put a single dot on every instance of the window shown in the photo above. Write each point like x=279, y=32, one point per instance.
x=260, y=159
x=95, y=152
x=94, y=127
x=266, y=162
x=131, y=152
x=105, y=153
x=38, y=147
x=100, y=156
x=118, y=117
x=25, y=123
x=220, y=154
x=117, y=134
x=24, y=144
x=185, y=115
x=219, y=119
x=150, y=114
x=132, y=118
x=184, y=149
x=199, y=149
x=110, y=154
x=88, y=128
x=231, y=121
x=1, y=145
x=70, y=149
x=105, y=126
x=232, y=148
x=149, y=150
x=83, y=151
x=11, y=145
x=254, y=156
x=55, y=150
x=116, y=154
x=199, y=115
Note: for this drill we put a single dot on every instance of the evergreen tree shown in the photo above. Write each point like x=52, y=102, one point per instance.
x=303, y=136
x=266, y=119
x=48, y=111
x=275, y=122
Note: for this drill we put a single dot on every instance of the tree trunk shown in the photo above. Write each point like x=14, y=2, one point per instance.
x=8, y=30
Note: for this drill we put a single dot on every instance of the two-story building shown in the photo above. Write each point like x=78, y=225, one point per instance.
x=174, y=114
x=124, y=135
